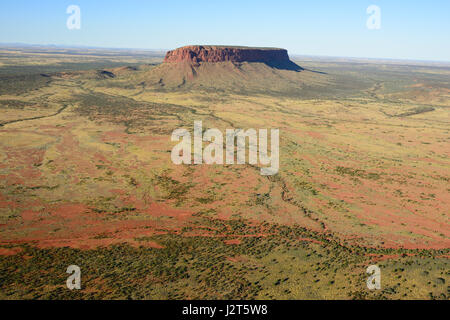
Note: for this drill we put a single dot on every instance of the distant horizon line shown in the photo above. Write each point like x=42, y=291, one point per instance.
x=165, y=50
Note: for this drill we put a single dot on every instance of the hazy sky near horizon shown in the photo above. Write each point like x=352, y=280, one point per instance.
x=411, y=29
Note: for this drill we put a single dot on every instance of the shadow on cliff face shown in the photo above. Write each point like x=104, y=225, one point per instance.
x=284, y=65
x=290, y=66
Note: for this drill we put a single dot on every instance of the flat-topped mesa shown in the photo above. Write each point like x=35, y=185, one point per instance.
x=197, y=54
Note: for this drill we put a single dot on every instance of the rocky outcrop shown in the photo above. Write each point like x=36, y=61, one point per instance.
x=277, y=58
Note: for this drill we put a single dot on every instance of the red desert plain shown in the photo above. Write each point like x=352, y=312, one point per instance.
x=86, y=176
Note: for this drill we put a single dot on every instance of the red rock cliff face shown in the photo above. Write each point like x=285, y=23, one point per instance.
x=196, y=54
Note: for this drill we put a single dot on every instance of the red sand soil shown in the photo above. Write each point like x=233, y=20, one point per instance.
x=46, y=220
x=233, y=241
x=10, y=252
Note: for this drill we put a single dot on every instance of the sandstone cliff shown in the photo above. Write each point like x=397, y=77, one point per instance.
x=276, y=58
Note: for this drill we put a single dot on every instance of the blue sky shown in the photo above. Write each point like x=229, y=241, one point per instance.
x=410, y=29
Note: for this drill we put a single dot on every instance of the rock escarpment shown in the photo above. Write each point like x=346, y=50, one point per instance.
x=230, y=69
x=273, y=57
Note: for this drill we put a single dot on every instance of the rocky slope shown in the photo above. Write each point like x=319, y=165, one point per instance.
x=230, y=69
